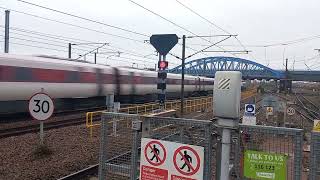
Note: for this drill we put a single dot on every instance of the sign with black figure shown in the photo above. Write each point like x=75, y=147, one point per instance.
x=169, y=160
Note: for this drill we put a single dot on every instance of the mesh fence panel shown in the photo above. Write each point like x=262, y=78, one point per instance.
x=120, y=145
x=186, y=131
x=116, y=145
x=315, y=156
x=272, y=140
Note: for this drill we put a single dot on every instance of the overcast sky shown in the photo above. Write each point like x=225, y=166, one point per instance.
x=290, y=26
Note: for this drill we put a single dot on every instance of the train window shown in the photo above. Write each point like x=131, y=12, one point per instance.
x=23, y=74
x=73, y=76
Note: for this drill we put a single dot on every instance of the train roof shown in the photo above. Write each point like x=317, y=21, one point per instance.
x=74, y=63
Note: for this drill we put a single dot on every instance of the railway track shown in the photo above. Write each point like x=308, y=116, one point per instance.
x=82, y=174
x=303, y=112
x=308, y=106
x=313, y=106
x=61, y=120
x=10, y=118
x=34, y=128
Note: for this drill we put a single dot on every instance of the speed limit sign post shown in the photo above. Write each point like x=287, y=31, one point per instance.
x=41, y=108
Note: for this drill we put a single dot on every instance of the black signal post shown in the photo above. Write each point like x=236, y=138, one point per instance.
x=162, y=76
x=163, y=43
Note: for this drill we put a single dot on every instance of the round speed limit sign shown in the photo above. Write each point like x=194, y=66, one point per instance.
x=41, y=106
x=290, y=111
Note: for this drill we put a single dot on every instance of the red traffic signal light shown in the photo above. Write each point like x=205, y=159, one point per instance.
x=163, y=64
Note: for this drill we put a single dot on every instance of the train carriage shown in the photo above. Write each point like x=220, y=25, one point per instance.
x=72, y=82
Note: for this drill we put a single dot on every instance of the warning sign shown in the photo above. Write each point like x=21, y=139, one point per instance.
x=316, y=125
x=148, y=173
x=249, y=120
x=155, y=153
x=269, y=111
x=165, y=159
x=186, y=160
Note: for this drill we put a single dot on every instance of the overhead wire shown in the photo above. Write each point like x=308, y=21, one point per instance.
x=142, y=42
x=84, y=18
x=37, y=37
x=300, y=40
x=175, y=24
x=210, y=22
x=74, y=25
x=41, y=47
x=244, y=47
x=52, y=36
x=81, y=27
x=215, y=25
x=270, y=45
x=60, y=50
x=28, y=40
x=62, y=38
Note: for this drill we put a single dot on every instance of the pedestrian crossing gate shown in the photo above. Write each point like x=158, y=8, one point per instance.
x=149, y=147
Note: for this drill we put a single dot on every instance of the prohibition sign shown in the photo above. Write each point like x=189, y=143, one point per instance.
x=153, y=147
x=193, y=168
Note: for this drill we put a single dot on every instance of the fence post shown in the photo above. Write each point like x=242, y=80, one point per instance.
x=103, y=149
x=298, y=154
x=136, y=127
x=208, y=152
x=91, y=124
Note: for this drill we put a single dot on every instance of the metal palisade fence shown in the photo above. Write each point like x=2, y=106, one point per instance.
x=120, y=152
x=257, y=152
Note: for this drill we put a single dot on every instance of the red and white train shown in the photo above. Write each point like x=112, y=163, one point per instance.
x=71, y=82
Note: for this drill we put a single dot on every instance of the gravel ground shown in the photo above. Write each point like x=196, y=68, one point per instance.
x=71, y=150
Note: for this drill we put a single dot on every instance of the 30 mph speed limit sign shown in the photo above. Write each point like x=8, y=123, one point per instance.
x=290, y=111
x=41, y=106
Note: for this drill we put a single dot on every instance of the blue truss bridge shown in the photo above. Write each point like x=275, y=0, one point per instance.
x=250, y=70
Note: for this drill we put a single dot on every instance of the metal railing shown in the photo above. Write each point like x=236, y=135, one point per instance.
x=190, y=105
x=268, y=139
x=119, y=155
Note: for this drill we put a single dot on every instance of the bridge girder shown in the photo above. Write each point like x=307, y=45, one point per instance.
x=209, y=65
